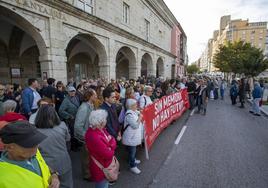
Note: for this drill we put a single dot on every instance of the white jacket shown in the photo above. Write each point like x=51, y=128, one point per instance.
x=144, y=101
x=133, y=134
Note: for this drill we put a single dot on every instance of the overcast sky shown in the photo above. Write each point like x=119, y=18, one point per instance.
x=200, y=18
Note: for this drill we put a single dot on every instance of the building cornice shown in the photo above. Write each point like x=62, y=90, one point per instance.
x=73, y=11
x=161, y=11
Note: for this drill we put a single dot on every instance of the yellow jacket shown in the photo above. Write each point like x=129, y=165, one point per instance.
x=13, y=176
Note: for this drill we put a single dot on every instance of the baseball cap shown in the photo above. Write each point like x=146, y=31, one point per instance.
x=71, y=88
x=21, y=133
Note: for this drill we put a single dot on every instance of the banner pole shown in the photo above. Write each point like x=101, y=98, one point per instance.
x=145, y=144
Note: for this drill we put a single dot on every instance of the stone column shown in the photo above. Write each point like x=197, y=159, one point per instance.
x=54, y=64
x=152, y=66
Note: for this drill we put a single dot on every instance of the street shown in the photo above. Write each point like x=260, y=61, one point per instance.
x=149, y=168
x=227, y=148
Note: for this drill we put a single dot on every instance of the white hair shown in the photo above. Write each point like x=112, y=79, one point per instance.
x=146, y=88
x=97, y=117
x=130, y=103
x=9, y=105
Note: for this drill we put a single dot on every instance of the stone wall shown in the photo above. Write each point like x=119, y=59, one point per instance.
x=55, y=24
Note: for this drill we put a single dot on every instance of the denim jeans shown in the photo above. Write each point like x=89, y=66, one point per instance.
x=255, y=106
x=131, y=156
x=103, y=184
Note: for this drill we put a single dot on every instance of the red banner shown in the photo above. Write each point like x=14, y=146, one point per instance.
x=161, y=113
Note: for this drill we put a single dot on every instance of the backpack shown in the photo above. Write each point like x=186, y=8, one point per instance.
x=121, y=117
x=145, y=101
x=234, y=90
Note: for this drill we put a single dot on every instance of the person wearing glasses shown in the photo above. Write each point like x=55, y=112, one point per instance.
x=145, y=99
x=157, y=94
x=9, y=94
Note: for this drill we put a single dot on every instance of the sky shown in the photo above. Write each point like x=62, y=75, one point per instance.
x=200, y=18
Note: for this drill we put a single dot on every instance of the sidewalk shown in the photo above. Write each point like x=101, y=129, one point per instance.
x=263, y=108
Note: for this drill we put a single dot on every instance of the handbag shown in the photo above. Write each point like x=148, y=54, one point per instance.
x=112, y=171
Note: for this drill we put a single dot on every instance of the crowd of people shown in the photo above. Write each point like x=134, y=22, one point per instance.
x=248, y=89
x=43, y=122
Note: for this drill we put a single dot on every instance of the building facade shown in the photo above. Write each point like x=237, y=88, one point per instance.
x=254, y=33
x=178, y=48
x=84, y=39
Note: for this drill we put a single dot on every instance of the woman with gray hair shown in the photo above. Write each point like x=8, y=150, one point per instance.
x=10, y=115
x=101, y=147
x=132, y=133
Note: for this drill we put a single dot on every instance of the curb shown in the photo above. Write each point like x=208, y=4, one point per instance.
x=262, y=110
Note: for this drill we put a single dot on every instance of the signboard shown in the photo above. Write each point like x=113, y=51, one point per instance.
x=15, y=72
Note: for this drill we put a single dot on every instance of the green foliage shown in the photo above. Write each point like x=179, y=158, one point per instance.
x=240, y=58
x=192, y=69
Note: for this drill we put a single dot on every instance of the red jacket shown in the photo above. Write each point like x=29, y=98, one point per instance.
x=101, y=149
x=12, y=116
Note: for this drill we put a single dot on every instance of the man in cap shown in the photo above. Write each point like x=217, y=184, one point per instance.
x=67, y=113
x=21, y=164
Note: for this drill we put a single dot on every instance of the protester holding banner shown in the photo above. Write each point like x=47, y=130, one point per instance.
x=132, y=134
x=145, y=99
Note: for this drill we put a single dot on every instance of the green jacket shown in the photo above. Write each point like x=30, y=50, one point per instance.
x=68, y=109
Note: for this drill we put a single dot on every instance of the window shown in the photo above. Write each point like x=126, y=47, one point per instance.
x=86, y=5
x=125, y=13
x=147, y=27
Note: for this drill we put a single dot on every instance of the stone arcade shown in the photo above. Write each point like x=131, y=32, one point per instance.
x=60, y=39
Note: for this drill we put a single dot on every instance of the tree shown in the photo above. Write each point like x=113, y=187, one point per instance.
x=192, y=69
x=241, y=58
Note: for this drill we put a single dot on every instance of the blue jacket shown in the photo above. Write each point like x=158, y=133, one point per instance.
x=27, y=100
x=112, y=126
x=257, y=92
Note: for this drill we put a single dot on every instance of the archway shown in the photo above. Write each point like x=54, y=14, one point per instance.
x=147, y=65
x=160, y=67
x=84, y=54
x=125, y=63
x=20, y=47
